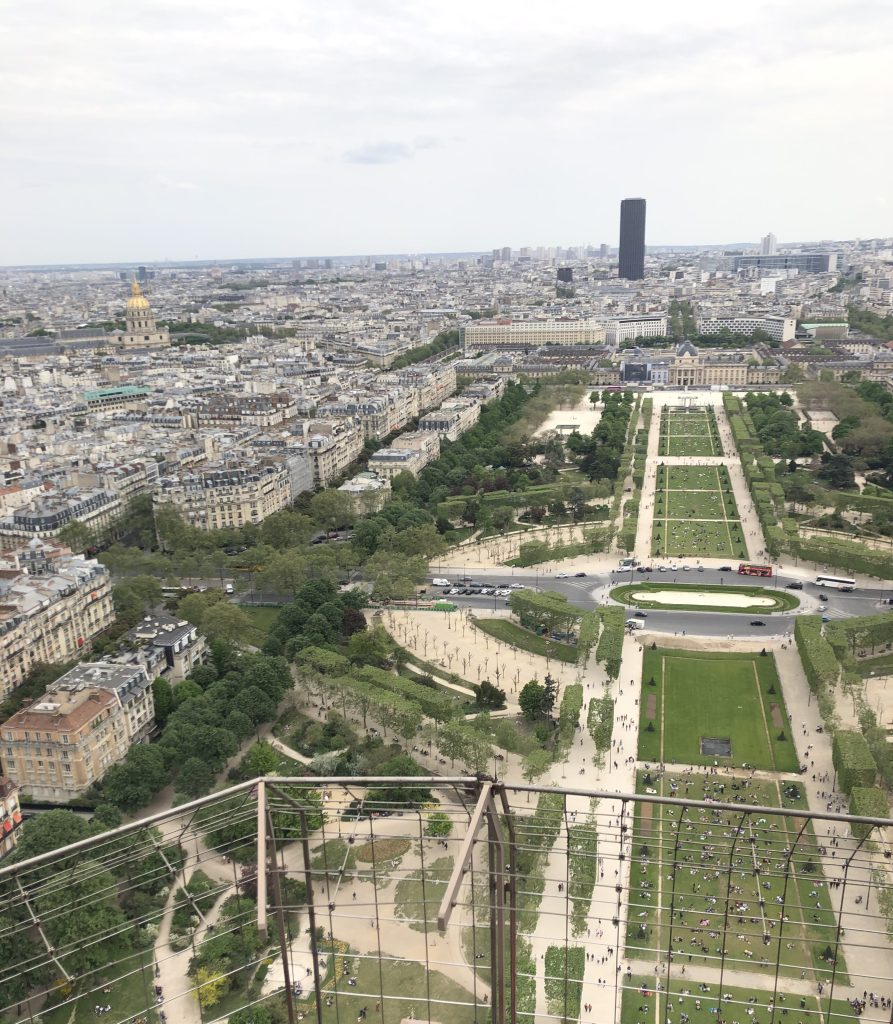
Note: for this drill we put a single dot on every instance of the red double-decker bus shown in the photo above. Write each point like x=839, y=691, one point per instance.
x=754, y=570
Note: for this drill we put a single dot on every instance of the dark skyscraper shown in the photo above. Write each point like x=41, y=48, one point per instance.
x=632, y=239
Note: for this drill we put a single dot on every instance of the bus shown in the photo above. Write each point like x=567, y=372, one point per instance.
x=843, y=583
x=754, y=570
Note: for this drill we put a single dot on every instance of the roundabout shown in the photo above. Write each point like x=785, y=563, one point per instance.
x=685, y=597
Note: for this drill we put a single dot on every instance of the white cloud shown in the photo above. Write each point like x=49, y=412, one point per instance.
x=731, y=119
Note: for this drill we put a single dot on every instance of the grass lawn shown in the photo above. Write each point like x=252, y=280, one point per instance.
x=511, y=633
x=129, y=997
x=639, y=996
x=695, y=514
x=724, y=696
x=381, y=850
x=262, y=618
x=400, y=989
x=417, y=901
x=783, y=600
x=689, y=433
x=882, y=666
x=728, y=890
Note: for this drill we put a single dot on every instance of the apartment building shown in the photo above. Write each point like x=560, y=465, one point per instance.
x=268, y=409
x=390, y=462
x=128, y=480
x=626, y=328
x=423, y=441
x=229, y=495
x=60, y=745
x=52, y=606
x=127, y=396
x=367, y=492
x=46, y=515
x=507, y=334
x=10, y=816
x=452, y=419
x=331, y=446
x=180, y=644
x=779, y=328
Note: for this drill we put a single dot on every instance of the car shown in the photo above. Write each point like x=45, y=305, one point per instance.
x=686, y=568
x=663, y=568
x=823, y=597
x=454, y=590
x=517, y=586
x=649, y=568
x=562, y=575
x=229, y=589
x=674, y=567
x=641, y=615
x=486, y=590
x=823, y=607
x=579, y=575
x=725, y=568
x=464, y=579
x=641, y=568
x=825, y=618
x=757, y=622
x=796, y=585
x=700, y=568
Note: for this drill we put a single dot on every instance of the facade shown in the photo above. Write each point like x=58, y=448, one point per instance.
x=632, y=239
x=768, y=245
x=627, y=328
x=180, y=643
x=803, y=262
x=452, y=419
x=127, y=396
x=52, y=606
x=687, y=367
x=57, y=747
x=44, y=517
x=507, y=334
x=390, y=462
x=229, y=496
x=779, y=328
x=367, y=492
x=10, y=816
x=331, y=447
x=140, y=329
x=256, y=410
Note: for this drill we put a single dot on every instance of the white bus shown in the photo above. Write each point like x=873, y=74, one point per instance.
x=836, y=582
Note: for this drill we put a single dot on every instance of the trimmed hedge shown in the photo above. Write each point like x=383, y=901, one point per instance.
x=816, y=654
x=853, y=761
x=867, y=802
x=610, y=643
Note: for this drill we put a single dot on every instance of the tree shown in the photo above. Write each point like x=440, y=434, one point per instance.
x=261, y=759
x=837, y=471
x=370, y=647
x=195, y=778
x=251, y=1015
x=212, y=986
x=163, y=696
x=133, y=782
x=405, y=793
x=530, y=700
x=49, y=831
x=439, y=825
x=489, y=696
x=550, y=696
x=331, y=509
x=75, y=535
x=226, y=621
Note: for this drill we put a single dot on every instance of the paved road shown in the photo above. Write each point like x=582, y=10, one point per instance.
x=594, y=589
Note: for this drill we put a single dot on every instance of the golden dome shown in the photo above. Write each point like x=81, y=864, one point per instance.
x=137, y=300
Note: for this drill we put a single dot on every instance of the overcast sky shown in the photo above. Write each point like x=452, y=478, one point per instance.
x=211, y=128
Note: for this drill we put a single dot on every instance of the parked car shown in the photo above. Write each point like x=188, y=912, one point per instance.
x=700, y=568
x=517, y=586
x=725, y=568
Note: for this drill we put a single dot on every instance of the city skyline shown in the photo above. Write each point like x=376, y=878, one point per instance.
x=196, y=130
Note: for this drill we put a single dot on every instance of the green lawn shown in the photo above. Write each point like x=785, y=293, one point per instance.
x=417, y=901
x=728, y=890
x=511, y=633
x=130, y=996
x=783, y=600
x=695, y=514
x=639, y=996
x=262, y=617
x=689, y=433
x=697, y=694
x=882, y=666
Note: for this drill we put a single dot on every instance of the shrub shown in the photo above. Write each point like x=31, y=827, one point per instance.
x=853, y=762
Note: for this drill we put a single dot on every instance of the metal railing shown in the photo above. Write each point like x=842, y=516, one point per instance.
x=475, y=901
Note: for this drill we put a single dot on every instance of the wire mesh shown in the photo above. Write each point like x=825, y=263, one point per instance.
x=703, y=897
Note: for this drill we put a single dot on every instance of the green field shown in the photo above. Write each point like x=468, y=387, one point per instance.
x=713, y=882
x=689, y=432
x=262, y=616
x=689, y=695
x=631, y=594
x=511, y=633
x=695, y=514
x=702, y=1007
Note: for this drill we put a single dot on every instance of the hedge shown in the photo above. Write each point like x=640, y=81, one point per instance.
x=867, y=802
x=816, y=654
x=853, y=762
x=610, y=643
x=434, y=703
x=601, y=723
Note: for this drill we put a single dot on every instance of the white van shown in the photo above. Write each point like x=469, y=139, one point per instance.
x=229, y=589
x=635, y=624
x=439, y=581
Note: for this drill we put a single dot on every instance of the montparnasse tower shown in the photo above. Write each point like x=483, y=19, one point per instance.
x=141, y=330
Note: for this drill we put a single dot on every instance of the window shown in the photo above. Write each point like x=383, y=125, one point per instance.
x=65, y=740
x=66, y=768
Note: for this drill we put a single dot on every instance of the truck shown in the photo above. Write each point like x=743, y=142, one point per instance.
x=635, y=624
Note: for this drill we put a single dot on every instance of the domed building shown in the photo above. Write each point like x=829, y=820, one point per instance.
x=141, y=330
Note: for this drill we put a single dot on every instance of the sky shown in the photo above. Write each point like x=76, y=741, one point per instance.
x=183, y=129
